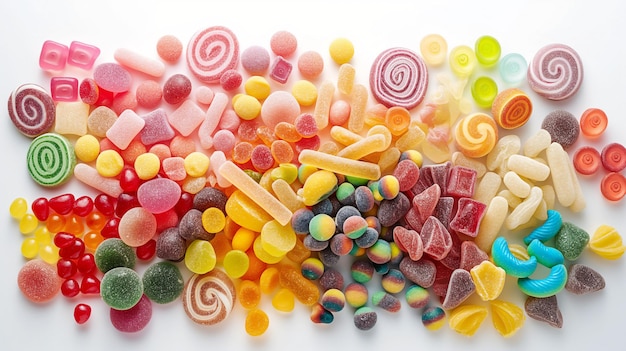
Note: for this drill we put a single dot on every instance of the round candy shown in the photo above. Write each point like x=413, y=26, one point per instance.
x=209, y=298
x=511, y=108
x=283, y=43
x=312, y=268
x=50, y=159
x=362, y=271
x=356, y=295
x=613, y=186
x=487, y=50
x=255, y=60
x=512, y=68
x=399, y=77
x=417, y=297
x=38, y=281
x=310, y=64
x=112, y=77
x=341, y=50
x=556, y=72
x=434, y=49
x=211, y=52
x=176, y=89
x=333, y=300
x=112, y=253
x=462, y=61
x=393, y=281
x=586, y=160
x=593, y=122
x=32, y=110
x=365, y=318
x=433, y=318
x=133, y=319
x=476, y=135
x=614, y=157
x=121, y=288
x=484, y=91
x=87, y=148
x=162, y=282
x=388, y=187
x=169, y=48
x=562, y=126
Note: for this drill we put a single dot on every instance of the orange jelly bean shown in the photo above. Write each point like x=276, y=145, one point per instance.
x=55, y=223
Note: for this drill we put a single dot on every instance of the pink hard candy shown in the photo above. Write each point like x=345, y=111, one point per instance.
x=158, y=195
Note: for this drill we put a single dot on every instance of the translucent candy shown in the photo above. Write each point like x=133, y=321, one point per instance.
x=607, y=242
x=466, y=319
x=507, y=317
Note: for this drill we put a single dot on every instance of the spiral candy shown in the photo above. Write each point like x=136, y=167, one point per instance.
x=31, y=109
x=476, y=135
x=399, y=77
x=556, y=72
x=511, y=108
x=211, y=52
x=209, y=298
x=50, y=159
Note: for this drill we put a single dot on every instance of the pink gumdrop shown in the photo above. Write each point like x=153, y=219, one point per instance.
x=137, y=226
x=112, y=77
x=167, y=219
x=305, y=125
x=409, y=241
x=407, y=173
x=149, y=94
x=224, y=141
x=255, y=60
x=169, y=48
x=310, y=64
x=436, y=239
x=262, y=158
x=174, y=168
x=53, y=56
x=468, y=216
x=157, y=128
x=231, y=80
x=339, y=112
x=134, y=319
x=283, y=43
x=426, y=202
x=176, y=89
x=280, y=106
x=312, y=143
x=82, y=55
x=88, y=91
x=158, y=195
x=186, y=118
x=471, y=255
x=124, y=101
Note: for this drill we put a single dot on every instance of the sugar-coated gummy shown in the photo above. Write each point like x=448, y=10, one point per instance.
x=365, y=318
x=121, y=288
x=582, y=279
x=112, y=253
x=133, y=319
x=38, y=281
x=544, y=309
x=162, y=282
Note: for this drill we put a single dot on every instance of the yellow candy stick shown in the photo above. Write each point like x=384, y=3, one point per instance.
x=359, y=95
x=364, y=147
x=322, y=104
x=336, y=164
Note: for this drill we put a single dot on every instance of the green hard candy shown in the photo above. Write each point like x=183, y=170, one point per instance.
x=571, y=240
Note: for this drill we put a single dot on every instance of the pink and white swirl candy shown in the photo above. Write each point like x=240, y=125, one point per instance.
x=556, y=72
x=211, y=52
x=32, y=110
x=399, y=77
x=209, y=298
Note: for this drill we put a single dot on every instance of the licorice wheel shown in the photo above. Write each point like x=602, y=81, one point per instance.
x=209, y=298
x=556, y=72
x=50, y=159
x=399, y=77
x=31, y=109
x=211, y=52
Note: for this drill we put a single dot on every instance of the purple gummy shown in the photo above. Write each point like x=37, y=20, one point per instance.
x=210, y=197
x=407, y=173
x=364, y=198
x=157, y=128
x=442, y=279
x=281, y=69
x=190, y=226
x=53, y=56
x=300, y=220
x=544, y=309
x=426, y=202
x=461, y=182
x=386, y=301
x=158, y=195
x=368, y=239
x=331, y=279
x=313, y=244
x=441, y=174
x=582, y=279
x=112, y=77
x=255, y=60
x=134, y=319
x=170, y=245
x=563, y=127
x=391, y=211
x=471, y=255
x=82, y=55
x=460, y=287
x=328, y=257
x=420, y=272
x=468, y=216
x=64, y=89
x=436, y=239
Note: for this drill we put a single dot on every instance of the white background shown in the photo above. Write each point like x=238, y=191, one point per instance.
x=595, y=29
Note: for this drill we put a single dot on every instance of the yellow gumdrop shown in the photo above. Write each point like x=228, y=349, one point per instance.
x=277, y=239
x=147, y=165
x=507, y=317
x=49, y=253
x=29, y=248
x=196, y=164
x=18, y=208
x=269, y=280
x=213, y=220
x=87, y=148
x=236, y=263
x=285, y=171
x=607, y=242
x=245, y=212
x=257, y=322
x=263, y=255
x=109, y=163
x=284, y=300
x=247, y=107
x=257, y=87
x=341, y=50
x=466, y=319
x=243, y=239
x=489, y=280
x=318, y=187
x=28, y=223
x=305, y=92
x=200, y=257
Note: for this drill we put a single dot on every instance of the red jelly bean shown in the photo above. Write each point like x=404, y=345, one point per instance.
x=129, y=180
x=66, y=268
x=110, y=229
x=146, y=251
x=90, y=285
x=63, y=239
x=176, y=89
x=86, y=263
x=593, y=122
x=125, y=202
x=82, y=312
x=83, y=206
x=40, y=208
x=184, y=204
x=614, y=157
x=613, y=186
x=62, y=204
x=586, y=160
x=70, y=287
x=73, y=251
x=105, y=204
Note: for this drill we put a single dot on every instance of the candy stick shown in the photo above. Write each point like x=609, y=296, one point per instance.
x=364, y=147
x=139, y=62
x=256, y=192
x=356, y=121
x=322, y=105
x=336, y=164
x=286, y=195
x=91, y=177
x=344, y=136
x=563, y=182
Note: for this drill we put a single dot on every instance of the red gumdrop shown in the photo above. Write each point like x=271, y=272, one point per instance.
x=125, y=202
x=614, y=157
x=63, y=239
x=262, y=158
x=176, y=89
x=166, y=220
x=40, y=208
x=306, y=126
x=133, y=319
x=425, y=180
x=407, y=173
x=312, y=143
x=105, y=204
x=461, y=181
x=70, y=287
x=147, y=251
x=442, y=278
x=468, y=216
x=90, y=284
x=453, y=258
x=586, y=160
x=436, y=239
x=86, y=264
x=73, y=251
x=185, y=203
x=110, y=229
x=89, y=91
x=62, y=204
x=426, y=202
x=66, y=268
x=105, y=98
x=129, y=180
x=408, y=241
x=413, y=220
x=613, y=186
x=83, y=206
x=82, y=312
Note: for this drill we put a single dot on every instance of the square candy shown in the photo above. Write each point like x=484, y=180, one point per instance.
x=53, y=56
x=461, y=182
x=186, y=118
x=127, y=126
x=71, y=118
x=281, y=69
x=82, y=55
x=64, y=89
x=468, y=216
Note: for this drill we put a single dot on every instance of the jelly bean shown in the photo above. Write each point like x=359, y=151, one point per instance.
x=82, y=312
x=305, y=291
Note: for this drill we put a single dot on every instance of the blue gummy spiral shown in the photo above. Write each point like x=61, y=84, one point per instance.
x=546, y=255
x=512, y=265
x=546, y=287
x=547, y=230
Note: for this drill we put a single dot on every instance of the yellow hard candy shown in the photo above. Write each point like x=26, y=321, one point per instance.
x=305, y=92
x=489, y=280
x=258, y=87
x=277, y=239
x=245, y=212
x=246, y=106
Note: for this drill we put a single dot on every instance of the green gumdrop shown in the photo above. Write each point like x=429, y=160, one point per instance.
x=121, y=288
x=163, y=282
x=571, y=240
x=112, y=253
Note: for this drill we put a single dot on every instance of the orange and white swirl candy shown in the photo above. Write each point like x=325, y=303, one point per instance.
x=556, y=72
x=209, y=298
x=476, y=135
x=511, y=108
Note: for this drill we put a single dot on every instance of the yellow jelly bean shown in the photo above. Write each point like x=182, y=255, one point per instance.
x=507, y=317
x=257, y=322
x=257, y=87
x=285, y=171
x=49, y=253
x=261, y=254
x=607, y=242
x=87, y=148
x=284, y=300
x=341, y=50
x=277, y=239
x=466, y=319
x=200, y=257
x=246, y=106
x=305, y=92
x=243, y=239
x=236, y=263
x=245, y=212
x=18, y=208
x=213, y=220
x=147, y=165
x=29, y=248
x=42, y=235
x=269, y=281
x=109, y=163
x=489, y=280
x=196, y=164
x=28, y=223
x=318, y=187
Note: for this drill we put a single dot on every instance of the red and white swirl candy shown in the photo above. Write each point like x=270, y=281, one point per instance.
x=399, y=77
x=211, y=52
x=32, y=110
x=209, y=298
x=556, y=72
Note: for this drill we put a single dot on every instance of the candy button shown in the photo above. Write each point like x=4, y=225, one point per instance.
x=613, y=186
x=587, y=160
x=487, y=50
x=593, y=122
x=462, y=61
x=434, y=49
x=613, y=157
x=484, y=91
x=200, y=257
x=147, y=166
x=512, y=68
x=247, y=107
x=341, y=50
x=196, y=164
x=305, y=92
x=87, y=148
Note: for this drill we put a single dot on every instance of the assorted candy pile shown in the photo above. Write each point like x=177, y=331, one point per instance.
x=254, y=176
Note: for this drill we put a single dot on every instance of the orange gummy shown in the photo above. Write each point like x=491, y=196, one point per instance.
x=74, y=224
x=305, y=290
x=257, y=322
x=593, y=122
x=255, y=267
x=265, y=134
x=55, y=223
x=221, y=245
x=134, y=149
x=282, y=151
x=287, y=132
x=249, y=294
x=397, y=119
x=269, y=280
x=242, y=152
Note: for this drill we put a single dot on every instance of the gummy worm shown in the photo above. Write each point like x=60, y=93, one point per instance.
x=547, y=230
x=548, y=286
x=512, y=265
x=545, y=255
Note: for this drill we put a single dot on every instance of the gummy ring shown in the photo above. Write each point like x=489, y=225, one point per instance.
x=462, y=61
x=613, y=186
x=614, y=157
x=511, y=108
x=593, y=122
x=556, y=72
x=32, y=110
x=587, y=160
x=211, y=52
x=434, y=49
